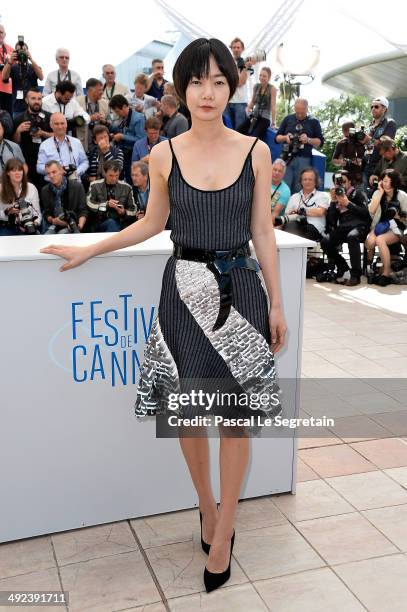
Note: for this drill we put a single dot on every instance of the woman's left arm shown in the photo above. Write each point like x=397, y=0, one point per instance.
x=264, y=241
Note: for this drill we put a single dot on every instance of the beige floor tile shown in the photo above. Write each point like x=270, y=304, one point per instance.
x=329, y=405
x=42, y=580
x=317, y=590
x=313, y=499
x=386, y=352
x=374, y=402
x=154, y=607
x=395, y=422
x=109, y=583
x=318, y=442
x=335, y=460
x=23, y=556
x=304, y=472
x=257, y=513
x=369, y=490
x=274, y=551
x=392, y=522
x=168, y=528
x=345, y=538
x=398, y=474
x=386, y=453
x=93, y=542
x=239, y=598
x=380, y=583
x=338, y=355
x=359, y=427
x=179, y=567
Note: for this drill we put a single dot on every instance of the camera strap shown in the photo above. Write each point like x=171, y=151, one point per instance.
x=5, y=144
x=109, y=96
x=67, y=77
x=58, y=148
x=305, y=202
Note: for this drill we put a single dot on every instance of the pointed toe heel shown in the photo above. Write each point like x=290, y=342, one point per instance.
x=205, y=546
x=214, y=580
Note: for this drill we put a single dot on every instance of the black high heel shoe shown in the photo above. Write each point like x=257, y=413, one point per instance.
x=205, y=546
x=213, y=580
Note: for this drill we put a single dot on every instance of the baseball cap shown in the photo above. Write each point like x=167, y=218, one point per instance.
x=381, y=100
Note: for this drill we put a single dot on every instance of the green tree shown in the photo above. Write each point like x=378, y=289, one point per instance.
x=333, y=113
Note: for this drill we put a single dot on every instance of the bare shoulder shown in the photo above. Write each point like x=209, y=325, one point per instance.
x=161, y=158
x=261, y=157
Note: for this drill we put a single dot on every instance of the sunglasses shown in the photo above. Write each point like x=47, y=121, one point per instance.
x=63, y=56
x=375, y=106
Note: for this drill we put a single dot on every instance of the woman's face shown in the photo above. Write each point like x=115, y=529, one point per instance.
x=386, y=182
x=264, y=77
x=207, y=97
x=16, y=175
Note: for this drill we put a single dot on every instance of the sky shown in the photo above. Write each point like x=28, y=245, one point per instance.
x=344, y=31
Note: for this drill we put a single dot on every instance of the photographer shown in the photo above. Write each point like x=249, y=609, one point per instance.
x=140, y=101
x=111, y=87
x=156, y=81
x=141, y=187
x=5, y=88
x=280, y=191
x=298, y=132
x=8, y=150
x=236, y=107
x=96, y=107
x=62, y=101
x=20, y=212
x=128, y=131
x=348, y=220
x=24, y=73
x=64, y=202
x=63, y=73
x=175, y=122
x=388, y=210
x=31, y=128
x=66, y=149
x=262, y=107
x=102, y=152
x=111, y=201
x=380, y=126
x=142, y=148
x=390, y=157
x=306, y=210
x=349, y=152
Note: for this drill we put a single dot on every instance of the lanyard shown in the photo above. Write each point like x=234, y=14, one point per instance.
x=305, y=202
x=68, y=142
x=111, y=90
x=67, y=77
x=88, y=106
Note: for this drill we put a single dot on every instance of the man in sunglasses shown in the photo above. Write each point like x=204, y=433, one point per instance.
x=64, y=73
x=381, y=126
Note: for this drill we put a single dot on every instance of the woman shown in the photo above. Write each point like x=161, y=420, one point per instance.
x=20, y=211
x=262, y=107
x=217, y=184
x=387, y=227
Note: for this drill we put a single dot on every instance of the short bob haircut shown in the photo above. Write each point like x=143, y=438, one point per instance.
x=194, y=62
x=394, y=176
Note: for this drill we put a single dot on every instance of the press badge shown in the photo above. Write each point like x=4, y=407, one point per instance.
x=20, y=95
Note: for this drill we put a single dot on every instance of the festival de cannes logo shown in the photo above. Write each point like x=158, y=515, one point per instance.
x=103, y=341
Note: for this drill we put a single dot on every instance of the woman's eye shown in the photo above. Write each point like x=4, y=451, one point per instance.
x=220, y=82
x=195, y=82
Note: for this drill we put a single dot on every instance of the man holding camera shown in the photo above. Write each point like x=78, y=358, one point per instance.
x=156, y=81
x=390, y=157
x=380, y=126
x=64, y=73
x=111, y=201
x=349, y=152
x=31, y=128
x=63, y=101
x=236, y=107
x=24, y=73
x=96, y=107
x=348, y=220
x=128, y=131
x=298, y=132
x=103, y=151
x=64, y=201
x=141, y=187
x=65, y=149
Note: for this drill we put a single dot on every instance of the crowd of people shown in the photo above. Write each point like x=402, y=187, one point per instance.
x=76, y=160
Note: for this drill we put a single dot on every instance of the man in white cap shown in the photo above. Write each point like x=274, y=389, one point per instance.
x=380, y=126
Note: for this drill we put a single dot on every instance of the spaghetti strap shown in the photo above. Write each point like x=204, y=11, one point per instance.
x=172, y=150
x=252, y=147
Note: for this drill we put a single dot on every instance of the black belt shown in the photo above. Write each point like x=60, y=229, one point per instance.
x=220, y=263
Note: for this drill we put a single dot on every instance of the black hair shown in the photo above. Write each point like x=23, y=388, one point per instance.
x=194, y=62
x=65, y=86
x=33, y=90
x=394, y=176
x=112, y=164
x=92, y=83
x=118, y=101
x=314, y=172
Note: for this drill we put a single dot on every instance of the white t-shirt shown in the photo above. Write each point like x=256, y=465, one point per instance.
x=241, y=94
x=317, y=199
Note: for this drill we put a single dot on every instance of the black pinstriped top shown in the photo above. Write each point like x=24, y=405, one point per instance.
x=217, y=219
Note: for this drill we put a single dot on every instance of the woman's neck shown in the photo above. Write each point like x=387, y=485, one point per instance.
x=208, y=132
x=307, y=192
x=16, y=186
x=389, y=194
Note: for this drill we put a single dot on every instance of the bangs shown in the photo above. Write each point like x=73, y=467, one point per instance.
x=194, y=61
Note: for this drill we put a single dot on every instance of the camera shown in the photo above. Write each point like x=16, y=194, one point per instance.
x=78, y=121
x=70, y=218
x=375, y=184
x=258, y=55
x=356, y=135
x=70, y=171
x=338, y=184
x=300, y=216
x=27, y=216
x=35, y=123
x=22, y=57
x=291, y=149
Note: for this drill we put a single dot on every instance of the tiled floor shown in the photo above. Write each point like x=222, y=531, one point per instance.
x=339, y=544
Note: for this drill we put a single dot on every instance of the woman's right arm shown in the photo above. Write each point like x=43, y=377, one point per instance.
x=152, y=223
x=375, y=201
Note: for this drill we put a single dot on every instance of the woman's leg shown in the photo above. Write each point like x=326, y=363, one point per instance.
x=196, y=453
x=233, y=460
x=370, y=244
x=382, y=242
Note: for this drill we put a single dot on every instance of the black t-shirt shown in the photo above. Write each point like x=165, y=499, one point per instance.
x=29, y=143
x=350, y=150
x=387, y=127
x=156, y=90
x=22, y=79
x=309, y=126
x=356, y=213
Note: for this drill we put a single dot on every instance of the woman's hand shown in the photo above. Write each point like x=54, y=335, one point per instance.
x=278, y=328
x=74, y=255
